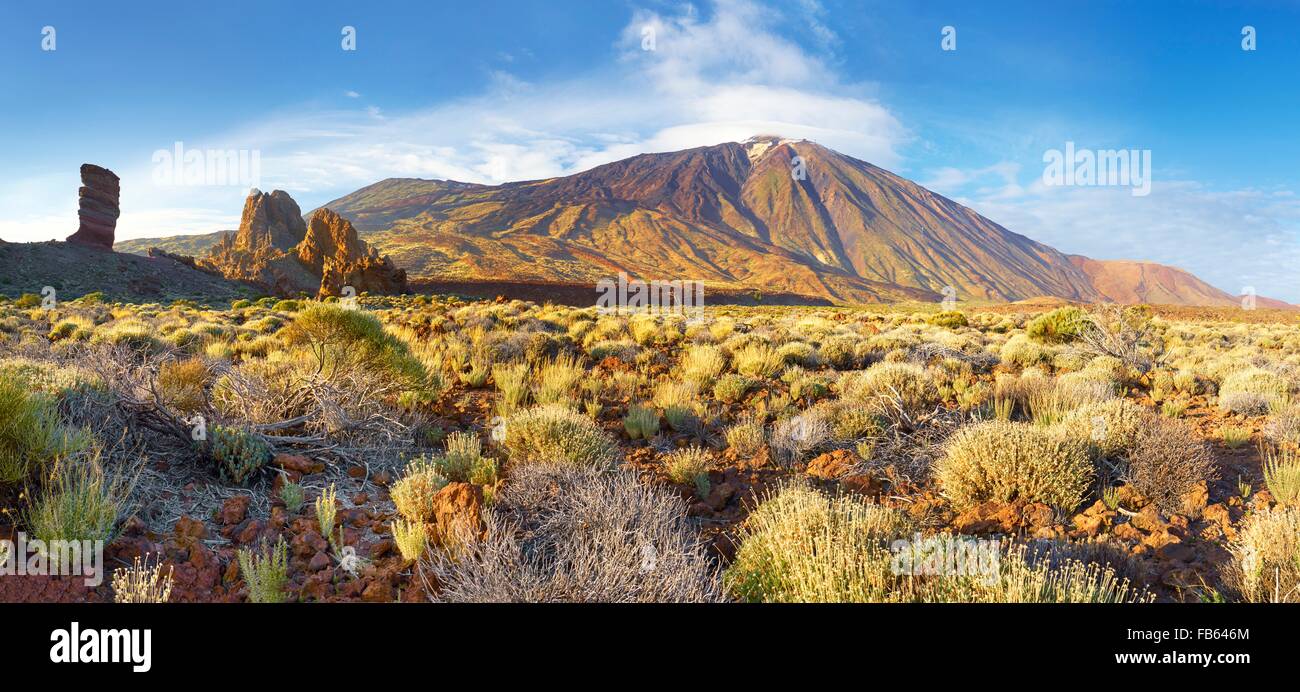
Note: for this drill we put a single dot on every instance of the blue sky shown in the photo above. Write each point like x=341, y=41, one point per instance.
x=497, y=91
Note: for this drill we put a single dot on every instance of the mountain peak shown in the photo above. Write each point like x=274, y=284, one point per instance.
x=758, y=145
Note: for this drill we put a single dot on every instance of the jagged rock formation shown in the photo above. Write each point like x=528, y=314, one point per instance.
x=332, y=248
x=97, y=207
x=276, y=251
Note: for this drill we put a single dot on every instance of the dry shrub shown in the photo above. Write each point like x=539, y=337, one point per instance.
x=1252, y=391
x=1266, y=565
x=181, y=385
x=889, y=385
x=997, y=460
x=1167, y=461
x=1110, y=426
x=559, y=534
x=802, y=546
x=794, y=438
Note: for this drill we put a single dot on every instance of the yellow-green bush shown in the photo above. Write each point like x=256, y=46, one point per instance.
x=1266, y=557
x=555, y=435
x=998, y=460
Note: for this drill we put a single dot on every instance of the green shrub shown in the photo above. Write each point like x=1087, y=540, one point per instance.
x=32, y=436
x=79, y=502
x=239, y=453
x=997, y=460
x=690, y=466
x=464, y=461
x=1059, y=326
x=949, y=319
x=341, y=339
x=732, y=387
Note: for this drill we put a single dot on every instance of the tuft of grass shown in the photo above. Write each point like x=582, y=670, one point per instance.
x=1266, y=557
x=641, y=422
x=32, y=435
x=1234, y=436
x=747, y=436
x=413, y=493
x=79, y=502
x=690, y=466
x=326, y=510
x=555, y=435
x=757, y=360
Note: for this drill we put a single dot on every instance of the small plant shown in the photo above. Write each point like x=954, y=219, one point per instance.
x=239, y=453
x=464, y=461
x=690, y=466
x=31, y=433
x=1173, y=408
x=747, y=436
x=732, y=387
x=141, y=583
x=79, y=502
x=1234, y=436
x=1282, y=474
x=641, y=422
x=411, y=538
x=293, y=495
x=413, y=494
x=1110, y=497
x=1059, y=326
x=265, y=572
x=1244, y=489
x=326, y=510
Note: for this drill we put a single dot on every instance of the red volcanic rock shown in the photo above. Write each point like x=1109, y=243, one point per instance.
x=269, y=221
x=234, y=509
x=457, y=508
x=280, y=253
x=97, y=207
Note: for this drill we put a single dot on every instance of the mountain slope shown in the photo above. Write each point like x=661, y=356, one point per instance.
x=191, y=245
x=1127, y=281
x=734, y=216
x=731, y=214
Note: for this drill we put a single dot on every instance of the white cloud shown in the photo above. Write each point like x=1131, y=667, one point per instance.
x=721, y=78
x=1232, y=239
